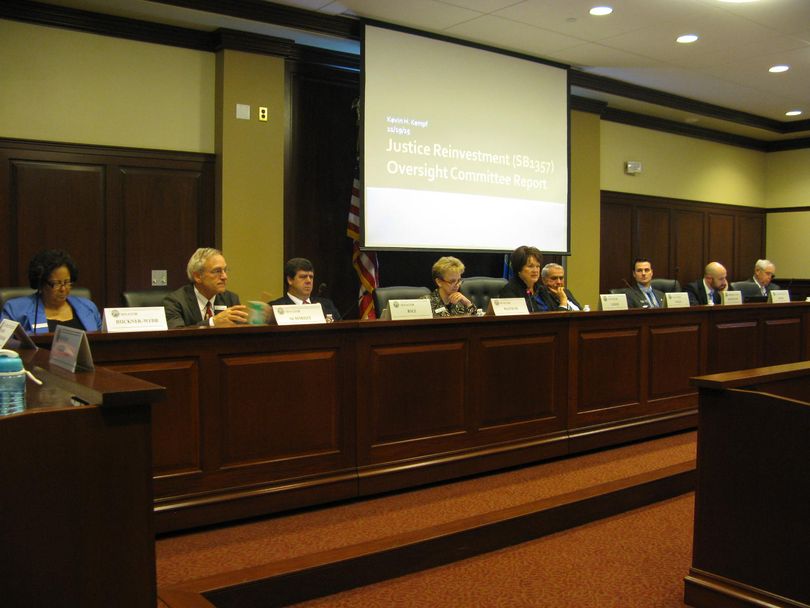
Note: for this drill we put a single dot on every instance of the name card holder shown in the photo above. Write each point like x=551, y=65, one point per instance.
x=612, y=301
x=778, y=296
x=676, y=299
x=71, y=350
x=137, y=318
x=301, y=314
x=405, y=310
x=729, y=298
x=504, y=307
x=14, y=335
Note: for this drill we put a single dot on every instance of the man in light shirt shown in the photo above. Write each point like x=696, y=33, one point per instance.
x=205, y=301
x=706, y=291
x=761, y=283
x=642, y=294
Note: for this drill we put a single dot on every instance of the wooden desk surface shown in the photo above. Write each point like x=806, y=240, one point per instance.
x=260, y=419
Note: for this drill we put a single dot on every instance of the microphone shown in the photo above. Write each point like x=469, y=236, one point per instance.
x=351, y=308
x=40, y=273
x=626, y=284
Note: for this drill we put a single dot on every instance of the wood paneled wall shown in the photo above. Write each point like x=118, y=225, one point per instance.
x=119, y=212
x=679, y=237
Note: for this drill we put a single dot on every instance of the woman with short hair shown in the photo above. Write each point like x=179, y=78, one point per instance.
x=446, y=300
x=52, y=274
x=526, y=262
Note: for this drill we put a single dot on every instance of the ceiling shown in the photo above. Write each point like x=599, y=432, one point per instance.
x=726, y=67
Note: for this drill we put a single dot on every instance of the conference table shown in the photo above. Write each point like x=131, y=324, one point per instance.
x=262, y=419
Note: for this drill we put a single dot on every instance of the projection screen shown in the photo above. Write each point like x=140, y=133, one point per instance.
x=463, y=148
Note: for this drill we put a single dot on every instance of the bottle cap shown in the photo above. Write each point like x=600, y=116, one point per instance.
x=10, y=361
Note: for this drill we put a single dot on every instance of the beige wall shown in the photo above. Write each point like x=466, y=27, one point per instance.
x=583, y=267
x=250, y=157
x=788, y=185
x=681, y=167
x=61, y=85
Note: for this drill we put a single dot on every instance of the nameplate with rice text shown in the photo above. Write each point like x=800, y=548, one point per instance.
x=409, y=309
x=136, y=318
x=676, y=299
x=612, y=301
x=504, y=307
x=779, y=296
x=301, y=314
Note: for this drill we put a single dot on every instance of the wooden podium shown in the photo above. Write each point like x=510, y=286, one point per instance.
x=752, y=506
x=76, y=521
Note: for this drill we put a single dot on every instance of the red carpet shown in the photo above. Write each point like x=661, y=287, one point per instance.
x=204, y=553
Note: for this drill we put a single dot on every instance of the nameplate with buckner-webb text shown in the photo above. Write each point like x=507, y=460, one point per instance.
x=503, y=307
x=137, y=318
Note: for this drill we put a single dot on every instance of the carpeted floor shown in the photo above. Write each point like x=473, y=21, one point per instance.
x=634, y=560
x=193, y=555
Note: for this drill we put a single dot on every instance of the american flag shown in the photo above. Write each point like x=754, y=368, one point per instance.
x=364, y=262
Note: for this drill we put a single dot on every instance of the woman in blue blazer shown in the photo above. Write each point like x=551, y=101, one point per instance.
x=52, y=274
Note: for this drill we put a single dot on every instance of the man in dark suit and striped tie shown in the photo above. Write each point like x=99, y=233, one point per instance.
x=706, y=291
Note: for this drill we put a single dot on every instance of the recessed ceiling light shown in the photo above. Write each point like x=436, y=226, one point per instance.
x=600, y=10
x=793, y=113
x=738, y=1
x=686, y=38
x=778, y=68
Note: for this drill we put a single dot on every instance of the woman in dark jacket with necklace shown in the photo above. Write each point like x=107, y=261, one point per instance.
x=526, y=262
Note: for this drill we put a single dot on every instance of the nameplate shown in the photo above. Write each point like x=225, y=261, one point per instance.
x=729, y=298
x=779, y=296
x=503, y=307
x=137, y=318
x=300, y=314
x=70, y=349
x=402, y=310
x=676, y=299
x=612, y=301
x=13, y=335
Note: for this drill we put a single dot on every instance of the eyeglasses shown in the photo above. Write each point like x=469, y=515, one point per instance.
x=219, y=271
x=67, y=284
x=456, y=282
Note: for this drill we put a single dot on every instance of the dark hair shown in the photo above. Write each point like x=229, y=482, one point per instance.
x=45, y=262
x=293, y=265
x=520, y=257
x=637, y=260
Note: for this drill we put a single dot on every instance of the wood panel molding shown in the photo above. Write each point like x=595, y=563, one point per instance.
x=678, y=236
x=145, y=209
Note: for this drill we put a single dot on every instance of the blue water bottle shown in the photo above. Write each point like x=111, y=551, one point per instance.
x=12, y=383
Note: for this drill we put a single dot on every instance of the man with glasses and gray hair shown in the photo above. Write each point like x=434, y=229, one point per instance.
x=205, y=301
x=760, y=284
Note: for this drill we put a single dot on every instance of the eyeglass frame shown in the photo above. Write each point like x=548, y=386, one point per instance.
x=66, y=284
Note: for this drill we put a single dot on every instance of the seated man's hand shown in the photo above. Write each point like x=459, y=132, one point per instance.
x=561, y=296
x=233, y=315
